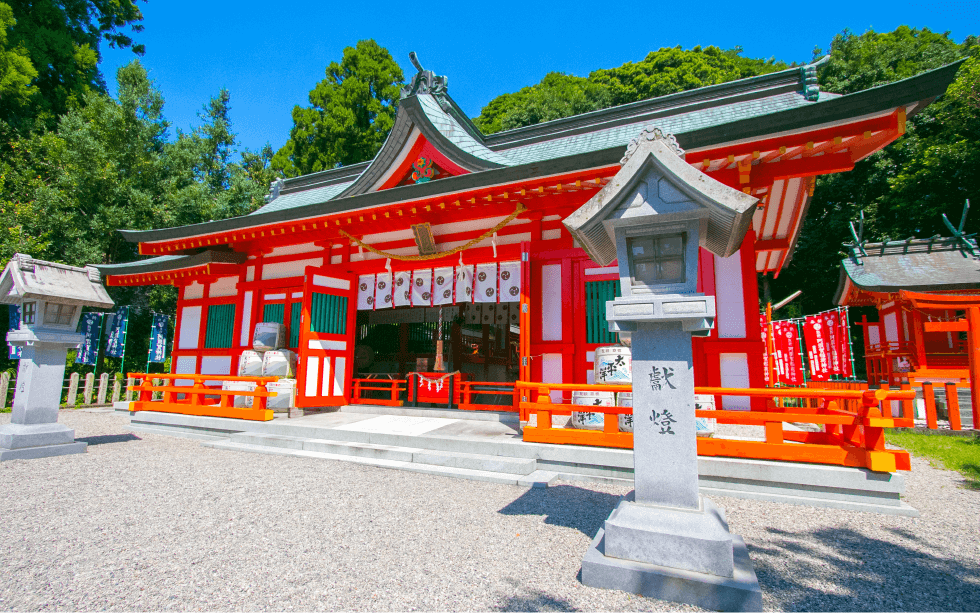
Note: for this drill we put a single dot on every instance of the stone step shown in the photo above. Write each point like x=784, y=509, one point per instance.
x=469, y=461
x=534, y=479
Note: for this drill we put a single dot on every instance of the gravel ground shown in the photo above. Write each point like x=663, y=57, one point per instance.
x=149, y=522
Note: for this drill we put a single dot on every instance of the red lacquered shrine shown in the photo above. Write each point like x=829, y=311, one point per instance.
x=358, y=261
x=927, y=293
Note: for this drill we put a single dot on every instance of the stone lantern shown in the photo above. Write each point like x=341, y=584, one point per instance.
x=668, y=542
x=50, y=297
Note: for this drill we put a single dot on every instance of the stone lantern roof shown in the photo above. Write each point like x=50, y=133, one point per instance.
x=26, y=278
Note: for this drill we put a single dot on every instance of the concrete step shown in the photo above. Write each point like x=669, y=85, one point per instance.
x=468, y=461
x=535, y=478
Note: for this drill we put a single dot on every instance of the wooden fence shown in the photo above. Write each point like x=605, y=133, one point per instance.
x=848, y=437
x=199, y=399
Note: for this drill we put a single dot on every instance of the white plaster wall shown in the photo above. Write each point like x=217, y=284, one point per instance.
x=215, y=365
x=551, y=303
x=891, y=327
x=190, y=327
x=729, y=296
x=246, y=320
x=281, y=270
x=734, y=373
x=225, y=286
x=185, y=364
x=193, y=291
x=551, y=372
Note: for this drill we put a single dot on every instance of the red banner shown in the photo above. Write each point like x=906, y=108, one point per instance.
x=815, y=341
x=831, y=331
x=844, y=342
x=765, y=348
x=788, y=361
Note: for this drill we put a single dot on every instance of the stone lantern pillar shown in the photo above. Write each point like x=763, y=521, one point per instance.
x=50, y=297
x=667, y=542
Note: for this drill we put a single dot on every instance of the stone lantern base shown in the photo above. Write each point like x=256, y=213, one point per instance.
x=27, y=442
x=725, y=579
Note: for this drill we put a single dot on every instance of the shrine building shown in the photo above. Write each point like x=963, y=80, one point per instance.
x=358, y=261
x=927, y=294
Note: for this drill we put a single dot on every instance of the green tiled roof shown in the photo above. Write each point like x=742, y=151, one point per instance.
x=705, y=117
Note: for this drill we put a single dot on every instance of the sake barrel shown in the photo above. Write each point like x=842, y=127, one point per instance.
x=590, y=420
x=625, y=399
x=613, y=364
x=704, y=426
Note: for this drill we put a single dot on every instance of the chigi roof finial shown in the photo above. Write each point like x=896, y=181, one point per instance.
x=424, y=81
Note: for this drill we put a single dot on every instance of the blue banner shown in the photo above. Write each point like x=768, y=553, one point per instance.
x=13, y=323
x=116, y=327
x=158, y=339
x=88, y=351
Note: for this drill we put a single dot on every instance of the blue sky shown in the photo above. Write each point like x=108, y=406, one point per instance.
x=269, y=55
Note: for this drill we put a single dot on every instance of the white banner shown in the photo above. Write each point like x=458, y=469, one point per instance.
x=403, y=288
x=382, y=295
x=422, y=287
x=486, y=283
x=464, y=283
x=365, y=293
x=510, y=281
x=442, y=292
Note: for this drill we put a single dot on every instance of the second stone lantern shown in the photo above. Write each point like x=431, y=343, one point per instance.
x=668, y=542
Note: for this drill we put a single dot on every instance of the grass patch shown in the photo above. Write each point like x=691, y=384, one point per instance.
x=959, y=453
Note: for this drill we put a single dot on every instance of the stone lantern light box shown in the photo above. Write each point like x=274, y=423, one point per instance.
x=50, y=297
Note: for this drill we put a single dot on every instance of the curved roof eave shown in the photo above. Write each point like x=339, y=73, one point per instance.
x=413, y=114
x=918, y=90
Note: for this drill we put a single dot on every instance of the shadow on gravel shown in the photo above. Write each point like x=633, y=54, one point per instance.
x=532, y=600
x=565, y=505
x=860, y=573
x=108, y=438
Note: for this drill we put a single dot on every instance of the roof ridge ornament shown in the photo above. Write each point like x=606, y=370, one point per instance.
x=424, y=81
x=811, y=88
x=652, y=133
x=274, y=188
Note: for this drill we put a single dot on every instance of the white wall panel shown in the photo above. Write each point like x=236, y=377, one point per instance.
x=185, y=364
x=312, y=375
x=551, y=302
x=734, y=373
x=339, y=374
x=246, y=320
x=193, y=291
x=729, y=296
x=551, y=372
x=190, y=327
x=215, y=365
x=281, y=270
x=891, y=327
x=225, y=286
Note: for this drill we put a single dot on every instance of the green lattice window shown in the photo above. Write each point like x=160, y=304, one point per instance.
x=294, y=323
x=221, y=326
x=328, y=314
x=274, y=313
x=597, y=293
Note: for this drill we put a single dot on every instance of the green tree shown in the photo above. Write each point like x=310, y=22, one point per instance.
x=905, y=188
x=557, y=95
x=16, y=71
x=662, y=72
x=350, y=114
x=62, y=40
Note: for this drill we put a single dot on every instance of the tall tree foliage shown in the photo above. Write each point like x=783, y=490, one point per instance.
x=905, y=188
x=62, y=41
x=350, y=114
x=16, y=70
x=662, y=72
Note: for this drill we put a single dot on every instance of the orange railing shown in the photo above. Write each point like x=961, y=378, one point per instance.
x=469, y=393
x=194, y=399
x=390, y=389
x=849, y=438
